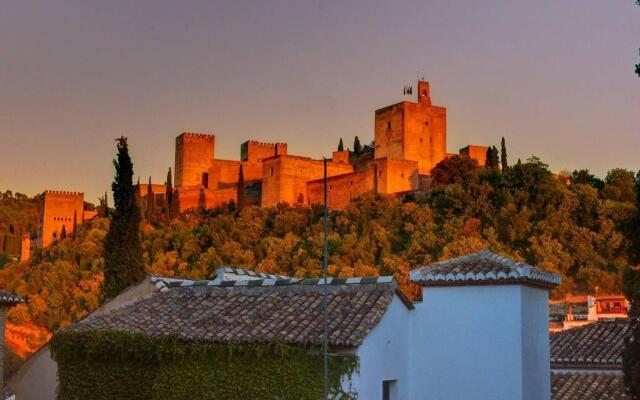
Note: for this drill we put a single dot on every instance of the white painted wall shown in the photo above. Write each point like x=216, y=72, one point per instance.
x=462, y=342
x=480, y=342
x=535, y=343
x=384, y=355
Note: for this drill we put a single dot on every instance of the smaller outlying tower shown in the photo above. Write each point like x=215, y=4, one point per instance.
x=60, y=212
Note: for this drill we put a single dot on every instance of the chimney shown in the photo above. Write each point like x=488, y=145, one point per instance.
x=481, y=331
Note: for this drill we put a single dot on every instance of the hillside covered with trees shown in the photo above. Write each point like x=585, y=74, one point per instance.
x=577, y=229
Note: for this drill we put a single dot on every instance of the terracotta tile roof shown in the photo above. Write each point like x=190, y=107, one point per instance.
x=10, y=299
x=595, y=345
x=267, y=310
x=483, y=267
x=587, y=386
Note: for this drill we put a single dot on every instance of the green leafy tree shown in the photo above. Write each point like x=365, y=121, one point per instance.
x=585, y=177
x=620, y=185
x=340, y=145
x=504, y=162
x=456, y=169
x=123, y=253
x=357, y=146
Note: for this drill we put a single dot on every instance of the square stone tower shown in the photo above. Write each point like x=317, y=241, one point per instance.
x=194, y=153
x=412, y=131
x=60, y=214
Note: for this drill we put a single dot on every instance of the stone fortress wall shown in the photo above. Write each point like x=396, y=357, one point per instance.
x=410, y=139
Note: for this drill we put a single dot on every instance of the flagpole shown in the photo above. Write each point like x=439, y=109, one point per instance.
x=326, y=290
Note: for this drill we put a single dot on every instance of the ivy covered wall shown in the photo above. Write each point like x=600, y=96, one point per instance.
x=110, y=364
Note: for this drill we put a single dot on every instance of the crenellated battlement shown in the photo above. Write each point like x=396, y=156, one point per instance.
x=265, y=144
x=64, y=193
x=209, y=136
x=253, y=150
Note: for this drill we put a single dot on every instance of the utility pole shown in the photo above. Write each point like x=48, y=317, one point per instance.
x=326, y=289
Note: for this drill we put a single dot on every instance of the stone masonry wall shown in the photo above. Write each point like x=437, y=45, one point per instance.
x=341, y=189
x=478, y=153
x=194, y=153
x=285, y=178
x=59, y=209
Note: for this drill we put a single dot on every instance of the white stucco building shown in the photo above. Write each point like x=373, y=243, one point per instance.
x=480, y=332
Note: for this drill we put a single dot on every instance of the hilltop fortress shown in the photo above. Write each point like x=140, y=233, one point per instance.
x=410, y=139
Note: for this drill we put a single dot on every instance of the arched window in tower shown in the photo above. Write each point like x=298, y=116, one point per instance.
x=271, y=171
x=389, y=125
x=300, y=198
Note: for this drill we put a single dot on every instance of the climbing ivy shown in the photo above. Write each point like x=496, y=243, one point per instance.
x=113, y=364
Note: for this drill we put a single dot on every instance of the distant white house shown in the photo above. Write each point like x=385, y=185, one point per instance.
x=480, y=332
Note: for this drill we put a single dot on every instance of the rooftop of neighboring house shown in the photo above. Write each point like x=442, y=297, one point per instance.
x=286, y=310
x=584, y=385
x=586, y=361
x=596, y=345
x=8, y=299
x=483, y=267
x=584, y=298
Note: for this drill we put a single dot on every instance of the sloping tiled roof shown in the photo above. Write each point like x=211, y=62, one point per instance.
x=595, y=345
x=483, y=267
x=268, y=310
x=10, y=299
x=587, y=386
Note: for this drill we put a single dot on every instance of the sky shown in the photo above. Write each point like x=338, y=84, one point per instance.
x=554, y=77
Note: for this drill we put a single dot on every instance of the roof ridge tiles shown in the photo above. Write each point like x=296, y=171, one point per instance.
x=482, y=267
x=164, y=283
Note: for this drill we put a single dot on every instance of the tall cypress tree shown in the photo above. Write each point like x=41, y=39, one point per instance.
x=631, y=354
x=357, y=147
x=150, y=203
x=240, y=189
x=503, y=156
x=340, y=145
x=495, y=158
x=169, y=196
x=492, y=161
x=103, y=208
x=123, y=262
x=488, y=158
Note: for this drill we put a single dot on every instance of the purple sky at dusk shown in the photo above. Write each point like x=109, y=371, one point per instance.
x=555, y=77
